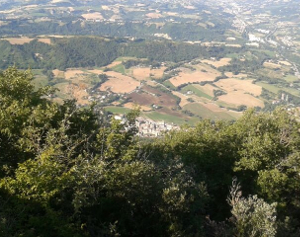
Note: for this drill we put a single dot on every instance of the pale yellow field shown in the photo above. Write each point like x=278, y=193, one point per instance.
x=115, y=17
x=172, y=13
x=218, y=63
x=143, y=73
x=151, y=83
x=57, y=1
x=158, y=73
x=190, y=7
x=153, y=15
x=19, y=41
x=116, y=103
x=231, y=85
x=3, y=23
x=93, y=16
x=58, y=73
x=187, y=76
x=297, y=43
x=106, y=8
x=44, y=40
x=212, y=43
x=202, y=24
x=56, y=36
x=210, y=23
x=213, y=107
x=119, y=83
x=95, y=71
x=206, y=67
x=286, y=63
x=31, y=6
x=78, y=92
x=271, y=65
x=234, y=45
x=240, y=98
x=72, y=73
x=183, y=98
x=115, y=63
x=25, y=40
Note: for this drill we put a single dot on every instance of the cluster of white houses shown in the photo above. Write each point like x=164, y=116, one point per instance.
x=148, y=127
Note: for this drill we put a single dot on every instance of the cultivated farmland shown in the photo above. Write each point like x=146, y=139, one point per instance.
x=218, y=63
x=187, y=76
x=119, y=83
x=237, y=98
x=246, y=86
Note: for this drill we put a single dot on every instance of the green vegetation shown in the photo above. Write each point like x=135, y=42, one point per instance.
x=168, y=84
x=205, y=113
x=291, y=78
x=88, y=51
x=269, y=87
x=69, y=171
x=117, y=110
x=276, y=88
x=196, y=91
x=119, y=68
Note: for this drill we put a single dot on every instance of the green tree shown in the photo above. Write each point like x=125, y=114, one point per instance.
x=252, y=216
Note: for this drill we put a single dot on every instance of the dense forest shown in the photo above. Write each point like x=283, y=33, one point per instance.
x=68, y=171
x=182, y=31
x=97, y=52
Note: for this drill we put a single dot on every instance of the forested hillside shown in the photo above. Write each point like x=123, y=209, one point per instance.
x=67, y=171
x=96, y=52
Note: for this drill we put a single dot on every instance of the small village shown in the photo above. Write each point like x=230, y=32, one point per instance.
x=149, y=128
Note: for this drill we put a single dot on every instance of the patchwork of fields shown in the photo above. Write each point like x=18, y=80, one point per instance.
x=196, y=90
x=202, y=88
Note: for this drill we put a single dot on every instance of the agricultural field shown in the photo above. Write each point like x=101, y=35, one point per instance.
x=146, y=73
x=118, y=83
x=246, y=86
x=179, y=62
x=218, y=63
x=238, y=98
x=188, y=76
x=197, y=90
x=211, y=112
x=26, y=40
x=200, y=95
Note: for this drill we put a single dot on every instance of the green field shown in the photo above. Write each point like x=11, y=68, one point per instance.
x=62, y=93
x=169, y=85
x=269, y=87
x=291, y=78
x=206, y=113
x=196, y=91
x=275, y=89
x=39, y=79
x=232, y=55
x=119, y=68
